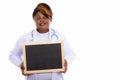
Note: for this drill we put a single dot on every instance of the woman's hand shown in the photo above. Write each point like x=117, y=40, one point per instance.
x=22, y=70
x=65, y=65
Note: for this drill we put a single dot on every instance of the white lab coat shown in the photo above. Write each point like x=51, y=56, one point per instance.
x=16, y=54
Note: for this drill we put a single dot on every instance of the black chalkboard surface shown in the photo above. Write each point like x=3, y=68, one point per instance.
x=43, y=57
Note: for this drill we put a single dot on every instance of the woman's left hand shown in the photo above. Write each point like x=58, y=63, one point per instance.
x=65, y=65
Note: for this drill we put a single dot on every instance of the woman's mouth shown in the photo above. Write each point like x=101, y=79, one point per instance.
x=42, y=24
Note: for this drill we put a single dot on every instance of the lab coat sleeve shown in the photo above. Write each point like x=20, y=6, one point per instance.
x=16, y=54
x=69, y=53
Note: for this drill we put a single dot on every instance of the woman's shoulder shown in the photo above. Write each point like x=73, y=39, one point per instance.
x=58, y=33
x=24, y=36
x=55, y=31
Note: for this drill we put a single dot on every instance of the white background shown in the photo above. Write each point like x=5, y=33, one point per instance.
x=91, y=26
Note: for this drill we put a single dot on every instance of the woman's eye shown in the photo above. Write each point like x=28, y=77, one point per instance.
x=38, y=18
x=44, y=17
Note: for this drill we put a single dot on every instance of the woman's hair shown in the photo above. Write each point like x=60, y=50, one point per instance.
x=44, y=9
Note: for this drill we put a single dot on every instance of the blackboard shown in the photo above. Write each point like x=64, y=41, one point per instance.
x=41, y=57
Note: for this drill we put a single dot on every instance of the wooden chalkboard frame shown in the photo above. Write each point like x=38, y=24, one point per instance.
x=40, y=44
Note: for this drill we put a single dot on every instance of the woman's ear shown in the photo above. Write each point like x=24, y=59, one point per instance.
x=34, y=19
x=49, y=18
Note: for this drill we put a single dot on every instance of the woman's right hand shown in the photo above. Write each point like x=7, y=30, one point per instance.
x=23, y=69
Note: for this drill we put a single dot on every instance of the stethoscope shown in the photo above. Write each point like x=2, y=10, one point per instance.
x=53, y=35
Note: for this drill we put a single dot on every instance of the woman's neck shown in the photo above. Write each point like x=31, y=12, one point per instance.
x=42, y=31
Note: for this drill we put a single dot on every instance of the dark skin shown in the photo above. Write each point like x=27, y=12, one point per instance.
x=42, y=24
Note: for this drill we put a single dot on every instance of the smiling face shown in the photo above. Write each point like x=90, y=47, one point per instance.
x=42, y=22
x=42, y=16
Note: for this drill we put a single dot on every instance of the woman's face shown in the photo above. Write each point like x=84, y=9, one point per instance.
x=42, y=22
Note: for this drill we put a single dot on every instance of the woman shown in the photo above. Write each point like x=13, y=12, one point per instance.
x=42, y=16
